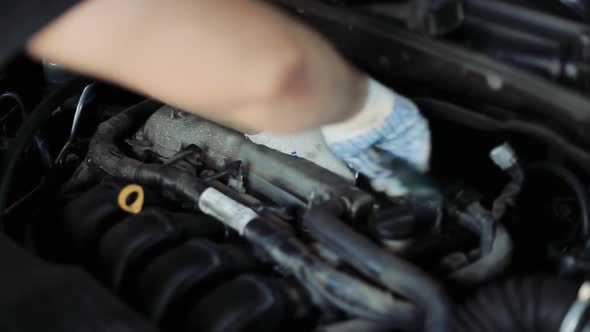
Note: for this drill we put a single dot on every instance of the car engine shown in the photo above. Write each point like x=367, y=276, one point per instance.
x=121, y=213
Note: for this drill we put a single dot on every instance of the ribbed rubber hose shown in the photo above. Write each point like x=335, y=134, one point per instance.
x=531, y=304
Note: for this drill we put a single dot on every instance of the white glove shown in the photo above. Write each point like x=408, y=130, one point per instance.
x=387, y=124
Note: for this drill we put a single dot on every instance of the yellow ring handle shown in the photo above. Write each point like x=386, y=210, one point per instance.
x=136, y=205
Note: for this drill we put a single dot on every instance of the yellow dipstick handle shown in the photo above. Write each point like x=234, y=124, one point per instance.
x=131, y=204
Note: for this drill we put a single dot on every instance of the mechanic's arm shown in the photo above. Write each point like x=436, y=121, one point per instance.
x=242, y=63
x=235, y=61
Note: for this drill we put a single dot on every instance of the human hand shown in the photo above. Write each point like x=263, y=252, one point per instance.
x=389, y=125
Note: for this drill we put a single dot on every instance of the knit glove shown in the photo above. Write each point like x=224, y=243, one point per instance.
x=389, y=125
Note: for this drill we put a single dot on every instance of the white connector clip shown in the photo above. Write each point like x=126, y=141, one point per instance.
x=504, y=156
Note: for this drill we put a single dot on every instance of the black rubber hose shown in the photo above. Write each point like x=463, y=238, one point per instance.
x=531, y=304
x=17, y=100
x=27, y=132
x=576, y=185
x=103, y=152
x=120, y=125
x=478, y=221
x=495, y=245
x=106, y=155
x=341, y=290
x=382, y=267
x=490, y=265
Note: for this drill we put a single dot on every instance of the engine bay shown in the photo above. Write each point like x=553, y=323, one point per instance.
x=121, y=213
x=196, y=227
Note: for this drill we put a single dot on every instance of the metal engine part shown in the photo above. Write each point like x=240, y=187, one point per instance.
x=309, y=145
x=289, y=180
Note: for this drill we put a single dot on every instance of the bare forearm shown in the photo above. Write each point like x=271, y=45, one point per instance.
x=238, y=62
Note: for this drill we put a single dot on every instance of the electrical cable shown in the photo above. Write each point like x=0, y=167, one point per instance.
x=86, y=94
x=506, y=159
x=460, y=115
x=26, y=134
x=508, y=195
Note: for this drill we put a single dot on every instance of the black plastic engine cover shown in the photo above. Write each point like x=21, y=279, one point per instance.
x=186, y=273
x=87, y=218
x=37, y=296
x=249, y=303
x=174, y=266
x=130, y=245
